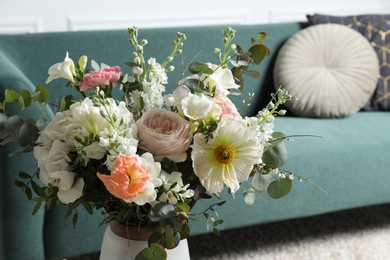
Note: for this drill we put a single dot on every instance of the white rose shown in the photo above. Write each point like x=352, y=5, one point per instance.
x=64, y=69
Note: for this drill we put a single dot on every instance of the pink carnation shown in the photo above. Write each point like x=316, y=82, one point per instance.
x=228, y=109
x=101, y=77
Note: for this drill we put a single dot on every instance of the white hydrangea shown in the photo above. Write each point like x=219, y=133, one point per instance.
x=115, y=133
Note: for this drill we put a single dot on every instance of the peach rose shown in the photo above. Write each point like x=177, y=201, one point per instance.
x=164, y=134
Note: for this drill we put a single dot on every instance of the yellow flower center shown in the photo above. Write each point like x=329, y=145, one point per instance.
x=224, y=154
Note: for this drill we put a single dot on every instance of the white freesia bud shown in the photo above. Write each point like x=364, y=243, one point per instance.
x=83, y=62
x=217, y=50
x=137, y=60
x=233, y=47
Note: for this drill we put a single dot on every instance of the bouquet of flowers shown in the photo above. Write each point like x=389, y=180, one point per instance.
x=147, y=158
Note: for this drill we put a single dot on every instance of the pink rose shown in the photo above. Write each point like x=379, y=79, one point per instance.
x=101, y=77
x=164, y=134
x=228, y=109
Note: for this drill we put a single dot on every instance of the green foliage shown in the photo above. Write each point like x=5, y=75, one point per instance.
x=200, y=67
x=279, y=188
x=275, y=154
x=154, y=252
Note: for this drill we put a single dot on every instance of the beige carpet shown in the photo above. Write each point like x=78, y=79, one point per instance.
x=354, y=234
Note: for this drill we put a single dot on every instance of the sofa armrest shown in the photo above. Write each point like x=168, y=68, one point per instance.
x=16, y=224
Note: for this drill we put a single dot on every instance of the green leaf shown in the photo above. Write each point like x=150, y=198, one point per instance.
x=88, y=207
x=261, y=36
x=37, y=189
x=237, y=75
x=195, y=85
x=66, y=102
x=74, y=219
x=37, y=207
x=154, y=252
x=252, y=73
x=275, y=156
x=27, y=191
x=258, y=53
x=260, y=182
x=169, y=237
x=200, y=67
x=24, y=175
x=13, y=124
x=249, y=196
x=28, y=134
x=41, y=94
x=11, y=95
x=132, y=64
x=19, y=183
x=24, y=99
x=279, y=188
x=167, y=210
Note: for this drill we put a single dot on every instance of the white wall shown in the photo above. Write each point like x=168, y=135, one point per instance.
x=20, y=16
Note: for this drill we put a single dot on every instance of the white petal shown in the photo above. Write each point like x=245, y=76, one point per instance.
x=69, y=196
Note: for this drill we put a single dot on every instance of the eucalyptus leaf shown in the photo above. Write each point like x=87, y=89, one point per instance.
x=252, y=73
x=260, y=182
x=259, y=52
x=237, y=75
x=200, y=67
x=167, y=210
x=41, y=94
x=28, y=134
x=275, y=156
x=154, y=252
x=11, y=95
x=24, y=99
x=14, y=123
x=279, y=188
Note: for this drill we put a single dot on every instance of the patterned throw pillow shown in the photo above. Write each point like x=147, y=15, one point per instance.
x=376, y=29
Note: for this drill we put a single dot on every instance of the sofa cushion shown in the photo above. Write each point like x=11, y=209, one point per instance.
x=331, y=69
x=376, y=29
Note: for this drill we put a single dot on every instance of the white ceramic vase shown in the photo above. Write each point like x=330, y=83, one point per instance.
x=115, y=247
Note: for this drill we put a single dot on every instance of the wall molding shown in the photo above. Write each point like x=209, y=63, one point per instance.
x=91, y=22
x=16, y=25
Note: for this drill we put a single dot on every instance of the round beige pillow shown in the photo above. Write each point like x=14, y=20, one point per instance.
x=331, y=69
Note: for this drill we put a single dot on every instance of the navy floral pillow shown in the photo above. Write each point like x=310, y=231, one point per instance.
x=376, y=29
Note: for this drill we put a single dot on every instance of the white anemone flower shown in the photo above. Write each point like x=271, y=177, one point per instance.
x=228, y=158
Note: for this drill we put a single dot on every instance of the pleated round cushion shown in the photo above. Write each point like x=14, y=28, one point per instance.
x=331, y=69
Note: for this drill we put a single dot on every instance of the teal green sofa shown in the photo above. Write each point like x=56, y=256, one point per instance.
x=351, y=160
